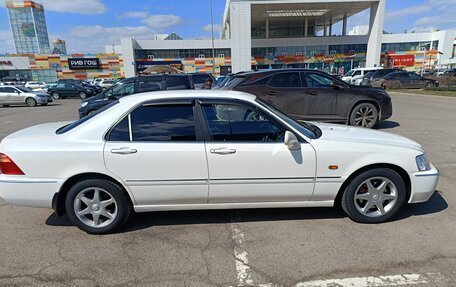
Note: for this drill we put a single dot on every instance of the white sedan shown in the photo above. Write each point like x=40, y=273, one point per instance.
x=192, y=150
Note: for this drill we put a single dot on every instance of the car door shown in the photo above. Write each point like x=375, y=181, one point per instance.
x=4, y=96
x=71, y=89
x=322, y=96
x=248, y=160
x=284, y=91
x=404, y=80
x=416, y=81
x=16, y=96
x=155, y=150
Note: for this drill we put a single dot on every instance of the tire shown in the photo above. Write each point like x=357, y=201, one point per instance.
x=119, y=209
x=429, y=85
x=391, y=199
x=364, y=115
x=31, y=102
x=82, y=95
x=55, y=95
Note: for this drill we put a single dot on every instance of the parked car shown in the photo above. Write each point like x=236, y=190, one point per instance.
x=377, y=74
x=317, y=96
x=70, y=89
x=404, y=80
x=35, y=85
x=449, y=73
x=96, y=82
x=105, y=84
x=187, y=150
x=199, y=79
x=133, y=86
x=19, y=95
x=85, y=84
x=354, y=76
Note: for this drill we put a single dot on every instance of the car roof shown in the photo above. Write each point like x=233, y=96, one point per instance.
x=180, y=94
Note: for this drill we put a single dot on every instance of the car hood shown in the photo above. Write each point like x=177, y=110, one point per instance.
x=98, y=98
x=363, y=135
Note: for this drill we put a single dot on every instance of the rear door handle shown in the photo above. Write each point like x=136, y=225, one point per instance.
x=124, y=150
x=271, y=93
x=223, y=151
x=313, y=93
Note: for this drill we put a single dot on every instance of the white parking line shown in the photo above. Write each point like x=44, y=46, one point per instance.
x=4, y=123
x=244, y=276
x=428, y=279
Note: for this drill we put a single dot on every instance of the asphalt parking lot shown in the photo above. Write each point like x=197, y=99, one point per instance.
x=281, y=247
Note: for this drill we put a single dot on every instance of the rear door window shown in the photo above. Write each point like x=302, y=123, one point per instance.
x=177, y=83
x=151, y=85
x=286, y=80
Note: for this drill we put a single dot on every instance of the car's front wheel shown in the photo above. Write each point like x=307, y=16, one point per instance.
x=374, y=196
x=31, y=102
x=98, y=206
x=364, y=115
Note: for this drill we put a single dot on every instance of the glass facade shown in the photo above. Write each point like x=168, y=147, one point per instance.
x=29, y=28
x=309, y=51
x=181, y=53
x=402, y=47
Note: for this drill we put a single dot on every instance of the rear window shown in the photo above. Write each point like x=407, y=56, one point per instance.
x=200, y=79
x=77, y=123
x=177, y=83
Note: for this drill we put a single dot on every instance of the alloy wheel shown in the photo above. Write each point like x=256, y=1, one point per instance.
x=365, y=117
x=376, y=196
x=95, y=207
x=31, y=102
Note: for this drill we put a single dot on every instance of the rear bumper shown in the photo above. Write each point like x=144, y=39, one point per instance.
x=32, y=192
x=424, y=184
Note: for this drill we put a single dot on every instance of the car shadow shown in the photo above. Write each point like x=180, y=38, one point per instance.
x=386, y=125
x=140, y=221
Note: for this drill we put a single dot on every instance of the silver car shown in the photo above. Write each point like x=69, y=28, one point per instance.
x=20, y=95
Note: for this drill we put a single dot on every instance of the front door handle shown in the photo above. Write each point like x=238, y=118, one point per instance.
x=124, y=150
x=223, y=151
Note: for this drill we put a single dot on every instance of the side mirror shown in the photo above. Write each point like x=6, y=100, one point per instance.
x=336, y=86
x=291, y=141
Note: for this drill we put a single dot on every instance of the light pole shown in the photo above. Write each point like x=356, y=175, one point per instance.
x=424, y=51
x=213, y=45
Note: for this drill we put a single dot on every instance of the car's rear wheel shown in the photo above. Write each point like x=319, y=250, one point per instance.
x=55, y=95
x=82, y=95
x=98, y=206
x=364, y=115
x=429, y=85
x=374, y=196
x=31, y=102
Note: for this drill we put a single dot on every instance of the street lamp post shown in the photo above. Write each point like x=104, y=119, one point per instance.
x=213, y=45
x=424, y=51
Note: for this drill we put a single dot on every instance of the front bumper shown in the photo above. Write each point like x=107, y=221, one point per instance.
x=386, y=110
x=424, y=184
x=43, y=100
x=32, y=192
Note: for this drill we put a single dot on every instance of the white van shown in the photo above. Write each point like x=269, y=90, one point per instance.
x=355, y=76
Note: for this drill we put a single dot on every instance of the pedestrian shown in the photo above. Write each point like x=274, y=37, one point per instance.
x=208, y=84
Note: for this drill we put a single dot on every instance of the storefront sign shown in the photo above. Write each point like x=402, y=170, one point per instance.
x=84, y=63
x=403, y=60
x=6, y=63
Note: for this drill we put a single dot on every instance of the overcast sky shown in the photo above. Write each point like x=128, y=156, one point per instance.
x=89, y=25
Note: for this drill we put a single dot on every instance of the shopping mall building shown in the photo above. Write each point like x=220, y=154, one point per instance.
x=293, y=33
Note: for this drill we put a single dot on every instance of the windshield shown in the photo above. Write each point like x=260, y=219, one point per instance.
x=309, y=130
x=24, y=89
x=349, y=73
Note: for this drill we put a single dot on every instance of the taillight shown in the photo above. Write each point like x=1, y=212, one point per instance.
x=7, y=166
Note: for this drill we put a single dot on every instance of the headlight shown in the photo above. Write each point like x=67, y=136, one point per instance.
x=422, y=163
x=88, y=90
x=84, y=104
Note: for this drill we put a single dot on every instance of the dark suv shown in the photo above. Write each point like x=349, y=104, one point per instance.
x=314, y=95
x=199, y=79
x=85, y=84
x=133, y=86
